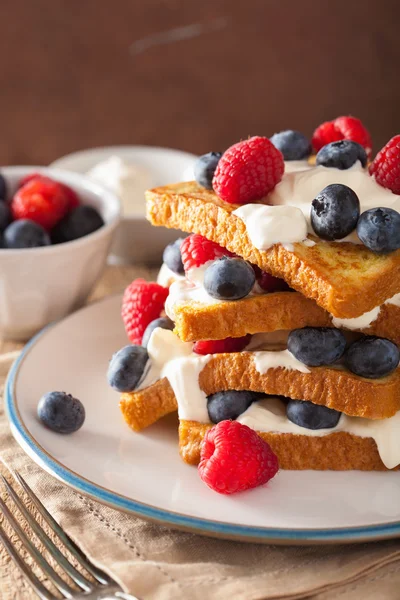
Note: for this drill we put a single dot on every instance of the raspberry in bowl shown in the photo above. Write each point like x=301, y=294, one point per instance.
x=56, y=230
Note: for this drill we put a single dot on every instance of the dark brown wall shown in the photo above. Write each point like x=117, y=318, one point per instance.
x=192, y=74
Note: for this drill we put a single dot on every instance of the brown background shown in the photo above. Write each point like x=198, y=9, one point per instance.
x=191, y=74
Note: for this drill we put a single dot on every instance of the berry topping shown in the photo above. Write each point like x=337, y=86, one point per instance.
x=229, y=279
x=5, y=215
x=316, y=346
x=342, y=128
x=248, y=171
x=341, y=155
x=293, y=144
x=73, y=198
x=269, y=283
x=222, y=346
x=311, y=416
x=41, y=200
x=143, y=302
x=162, y=322
x=386, y=166
x=233, y=458
x=230, y=404
x=197, y=250
x=172, y=257
x=61, y=412
x=372, y=357
x=127, y=367
x=25, y=234
x=335, y=212
x=81, y=221
x=379, y=230
x=204, y=168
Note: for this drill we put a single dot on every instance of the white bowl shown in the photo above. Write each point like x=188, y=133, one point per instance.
x=41, y=285
x=137, y=241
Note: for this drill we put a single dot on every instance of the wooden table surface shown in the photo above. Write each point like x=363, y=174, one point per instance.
x=189, y=74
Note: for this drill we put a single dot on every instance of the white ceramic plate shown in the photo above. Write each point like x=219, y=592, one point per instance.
x=142, y=473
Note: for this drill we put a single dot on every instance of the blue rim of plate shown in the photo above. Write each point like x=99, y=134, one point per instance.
x=169, y=518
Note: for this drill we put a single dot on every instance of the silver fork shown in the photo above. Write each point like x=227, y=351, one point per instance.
x=100, y=587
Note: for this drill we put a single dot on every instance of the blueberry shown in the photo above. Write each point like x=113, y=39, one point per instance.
x=204, y=168
x=5, y=215
x=127, y=367
x=163, y=322
x=341, y=155
x=230, y=404
x=61, y=412
x=172, y=257
x=3, y=188
x=79, y=222
x=316, y=346
x=372, y=357
x=335, y=212
x=293, y=144
x=379, y=230
x=25, y=234
x=229, y=278
x=311, y=416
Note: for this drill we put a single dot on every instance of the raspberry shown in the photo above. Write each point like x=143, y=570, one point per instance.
x=222, y=346
x=386, y=166
x=41, y=200
x=248, y=171
x=342, y=128
x=269, y=283
x=73, y=198
x=143, y=302
x=233, y=458
x=196, y=250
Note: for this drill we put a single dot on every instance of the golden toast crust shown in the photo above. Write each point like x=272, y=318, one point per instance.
x=266, y=313
x=345, y=279
x=335, y=388
x=335, y=452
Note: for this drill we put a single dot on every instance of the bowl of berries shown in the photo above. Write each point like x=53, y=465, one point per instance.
x=56, y=229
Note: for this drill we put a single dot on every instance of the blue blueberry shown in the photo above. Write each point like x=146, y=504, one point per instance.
x=3, y=188
x=61, y=412
x=229, y=278
x=372, y=357
x=204, y=168
x=230, y=404
x=81, y=221
x=163, y=322
x=5, y=215
x=172, y=257
x=293, y=144
x=25, y=234
x=341, y=155
x=316, y=346
x=311, y=416
x=379, y=230
x=126, y=368
x=335, y=212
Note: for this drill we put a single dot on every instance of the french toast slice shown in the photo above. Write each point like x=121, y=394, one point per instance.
x=330, y=386
x=265, y=313
x=345, y=279
x=339, y=451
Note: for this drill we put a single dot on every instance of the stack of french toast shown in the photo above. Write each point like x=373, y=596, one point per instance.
x=281, y=309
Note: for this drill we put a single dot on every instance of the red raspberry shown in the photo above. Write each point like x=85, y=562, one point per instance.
x=73, y=197
x=143, y=302
x=269, y=283
x=386, y=166
x=196, y=250
x=342, y=128
x=248, y=171
x=233, y=458
x=222, y=346
x=41, y=200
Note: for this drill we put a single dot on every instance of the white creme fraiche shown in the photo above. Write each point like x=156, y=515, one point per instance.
x=296, y=192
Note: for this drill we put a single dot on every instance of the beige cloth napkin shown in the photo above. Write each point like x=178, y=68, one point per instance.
x=156, y=563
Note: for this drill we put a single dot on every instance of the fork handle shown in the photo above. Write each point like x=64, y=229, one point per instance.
x=111, y=593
